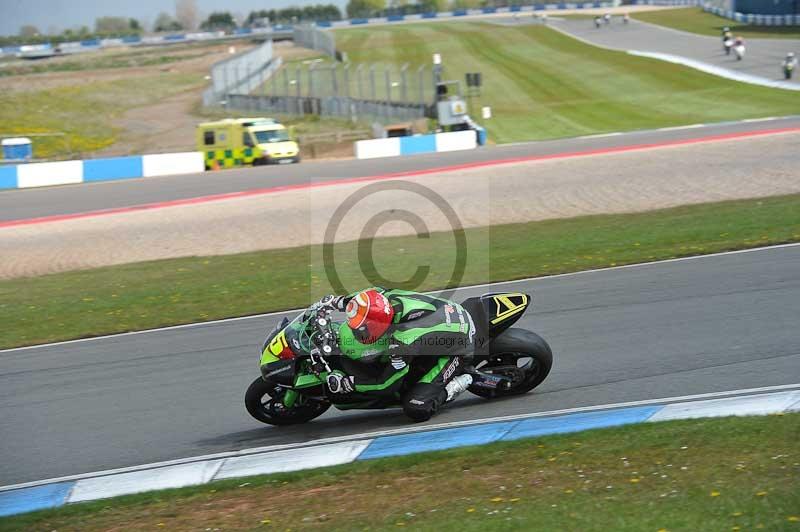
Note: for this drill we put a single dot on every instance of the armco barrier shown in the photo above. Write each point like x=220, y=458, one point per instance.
x=46, y=174
x=8, y=177
x=392, y=147
x=112, y=169
x=371, y=149
x=92, y=170
x=457, y=140
x=172, y=163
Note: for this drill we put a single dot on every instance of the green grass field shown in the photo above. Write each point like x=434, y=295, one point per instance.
x=730, y=474
x=695, y=20
x=152, y=294
x=542, y=84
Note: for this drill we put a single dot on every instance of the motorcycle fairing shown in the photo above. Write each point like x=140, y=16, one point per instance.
x=504, y=309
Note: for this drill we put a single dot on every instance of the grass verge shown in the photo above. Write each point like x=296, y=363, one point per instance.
x=713, y=474
x=543, y=84
x=695, y=20
x=168, y=292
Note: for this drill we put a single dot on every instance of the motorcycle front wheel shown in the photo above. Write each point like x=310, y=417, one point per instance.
x=519, y=355
x=263, y=401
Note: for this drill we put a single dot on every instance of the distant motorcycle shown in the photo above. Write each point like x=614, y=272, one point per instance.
x=789, y=64
x=727, y=45
x=738, y=48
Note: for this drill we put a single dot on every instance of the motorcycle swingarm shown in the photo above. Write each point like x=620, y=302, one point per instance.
x=488, y=381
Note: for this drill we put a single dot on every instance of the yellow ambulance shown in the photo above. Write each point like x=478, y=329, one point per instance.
x=239, y=141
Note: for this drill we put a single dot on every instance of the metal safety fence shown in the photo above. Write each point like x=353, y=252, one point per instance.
x=358, y=92
x=241, y=74
x=341, y=107
x=315, y=39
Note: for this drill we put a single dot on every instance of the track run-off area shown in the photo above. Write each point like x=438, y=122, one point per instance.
x=688, y=326
x=25, y=206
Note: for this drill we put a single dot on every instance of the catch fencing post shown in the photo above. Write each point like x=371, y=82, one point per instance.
x=387, y=75
x=403, y=80
x=372, y=81
x=298, y=92
x=421, y=80
x=359, y=82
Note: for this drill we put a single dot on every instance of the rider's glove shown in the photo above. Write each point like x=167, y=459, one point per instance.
x=333, y=302
x=339, y=383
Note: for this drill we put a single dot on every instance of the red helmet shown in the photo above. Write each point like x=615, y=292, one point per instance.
x=369, y=315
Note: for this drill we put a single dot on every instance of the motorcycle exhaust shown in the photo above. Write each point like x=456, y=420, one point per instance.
x=489, y=381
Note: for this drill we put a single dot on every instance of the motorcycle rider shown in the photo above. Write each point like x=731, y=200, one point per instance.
x=727, y=41
x=789, y=64
x=738, y=48
x=391, y=334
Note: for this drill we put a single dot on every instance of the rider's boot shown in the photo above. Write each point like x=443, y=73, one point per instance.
x=457, y=385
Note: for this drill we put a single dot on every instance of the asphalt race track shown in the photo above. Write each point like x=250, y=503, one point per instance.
x=70, y=199
x=708, y=324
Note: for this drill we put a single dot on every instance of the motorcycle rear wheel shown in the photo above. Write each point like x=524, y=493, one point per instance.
x=508, y=351
x=260, y=401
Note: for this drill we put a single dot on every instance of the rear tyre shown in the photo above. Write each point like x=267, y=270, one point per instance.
x=263, y=401
x=521, y=355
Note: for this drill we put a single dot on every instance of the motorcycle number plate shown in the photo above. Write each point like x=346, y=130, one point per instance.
x=280, y=347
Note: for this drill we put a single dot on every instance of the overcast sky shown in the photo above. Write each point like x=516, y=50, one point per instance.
x=62, y=14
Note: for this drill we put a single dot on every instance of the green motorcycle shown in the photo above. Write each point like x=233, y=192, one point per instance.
x=298, y=356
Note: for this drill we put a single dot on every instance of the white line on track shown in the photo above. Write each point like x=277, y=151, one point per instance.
x=408, y=430
x=484, y=285
x=676, y=128
x=767, y=119
x=601, y=135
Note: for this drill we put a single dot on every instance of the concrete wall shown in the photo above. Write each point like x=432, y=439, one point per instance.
x=393, y=147
x=92, y=170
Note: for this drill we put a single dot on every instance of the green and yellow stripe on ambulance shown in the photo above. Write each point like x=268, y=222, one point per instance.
x=230, y=158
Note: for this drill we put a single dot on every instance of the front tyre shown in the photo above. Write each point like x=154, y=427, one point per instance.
x=520, y=355
x=263, y=401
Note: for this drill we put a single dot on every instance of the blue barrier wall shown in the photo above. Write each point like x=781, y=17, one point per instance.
x=765, y=7
x=417, y=144
x=395, y=18
x=112, y=169
x=8, y=176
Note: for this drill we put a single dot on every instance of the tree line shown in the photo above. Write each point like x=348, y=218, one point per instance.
x=186, y=18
